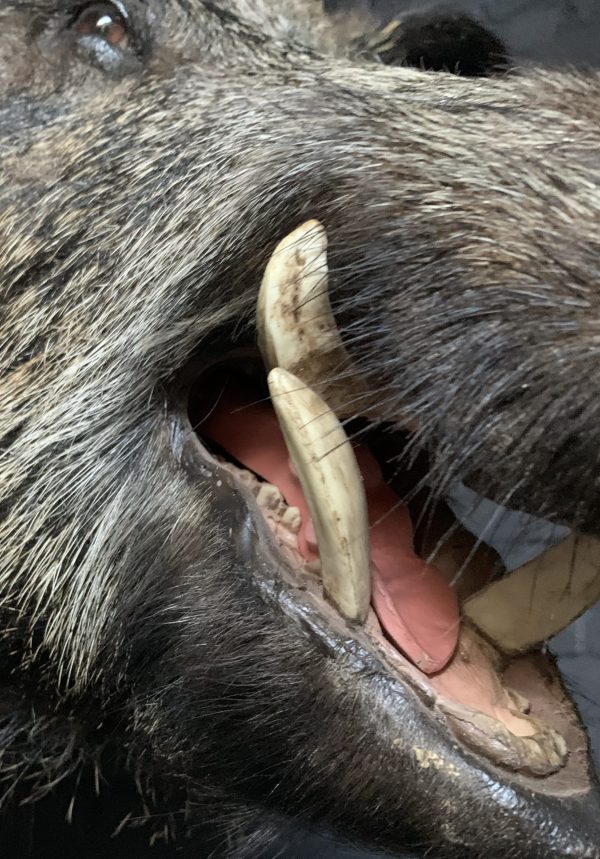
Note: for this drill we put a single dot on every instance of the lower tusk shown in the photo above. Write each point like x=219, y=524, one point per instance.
x=541, y=598
x=327, y=469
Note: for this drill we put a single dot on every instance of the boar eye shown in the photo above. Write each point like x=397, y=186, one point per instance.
x=104, y=21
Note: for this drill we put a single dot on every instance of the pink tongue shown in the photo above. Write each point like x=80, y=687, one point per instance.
x=414, y=603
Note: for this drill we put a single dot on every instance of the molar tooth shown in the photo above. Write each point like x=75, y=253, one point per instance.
x=314, y=567
x=541, y=598
x=269, y=496
x=296, y=327
x=285, y=536
x=244, y=475
x=332, y=484
x=292, y=519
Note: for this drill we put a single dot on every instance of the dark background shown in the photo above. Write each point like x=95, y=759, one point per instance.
x=548, y=31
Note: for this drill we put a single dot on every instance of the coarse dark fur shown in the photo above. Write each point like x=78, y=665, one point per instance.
x=141, y=196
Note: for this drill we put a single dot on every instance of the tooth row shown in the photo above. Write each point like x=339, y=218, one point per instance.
x=269, y=498
x=328, y=472
x=541, y=598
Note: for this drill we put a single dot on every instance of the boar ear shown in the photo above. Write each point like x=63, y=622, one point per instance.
x=438, y=41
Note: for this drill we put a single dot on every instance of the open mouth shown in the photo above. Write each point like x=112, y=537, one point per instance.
x=433, y=602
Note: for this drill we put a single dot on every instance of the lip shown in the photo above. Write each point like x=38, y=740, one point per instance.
x=408, y=736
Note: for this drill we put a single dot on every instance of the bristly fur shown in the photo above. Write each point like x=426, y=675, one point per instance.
x=138, y=209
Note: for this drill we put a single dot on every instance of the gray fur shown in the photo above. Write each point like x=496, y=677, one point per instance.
x=137, y=213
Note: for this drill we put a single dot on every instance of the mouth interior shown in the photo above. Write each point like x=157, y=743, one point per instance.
x=432, y=601
x=416, y=606
x=487, y=698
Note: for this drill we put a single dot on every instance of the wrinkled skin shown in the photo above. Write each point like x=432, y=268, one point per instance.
x=141, y=198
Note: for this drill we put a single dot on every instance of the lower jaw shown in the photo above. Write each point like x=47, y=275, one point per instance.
x=417, y=772
x=513, y=712
x=485, y=716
